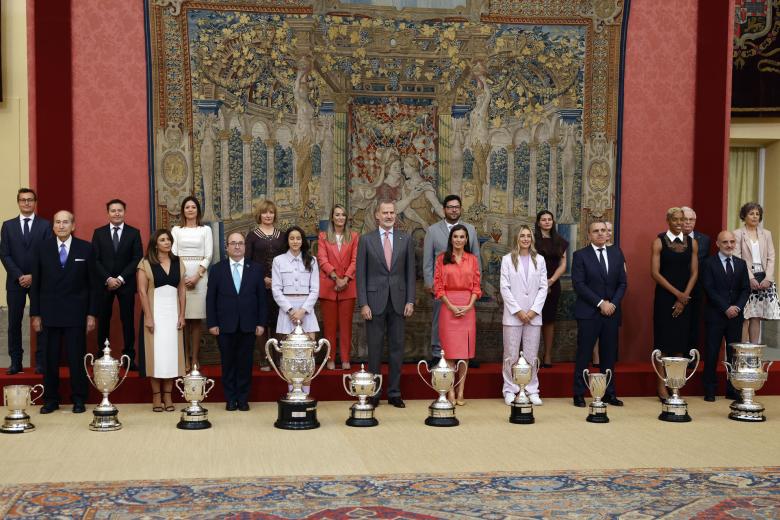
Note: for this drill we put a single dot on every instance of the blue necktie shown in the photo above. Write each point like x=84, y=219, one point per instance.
x=63, y=255
x=236, y=277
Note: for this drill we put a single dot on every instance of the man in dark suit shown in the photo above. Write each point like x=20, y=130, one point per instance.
x=727, y=285
x=697, y=295
x=19, y=238
x=236, y=313
x=599, y=278
x=63, y=304
x=385, y=292
x=117, y=249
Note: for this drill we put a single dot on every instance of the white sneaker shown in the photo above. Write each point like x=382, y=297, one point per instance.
x=509, y=398
x=535, y=400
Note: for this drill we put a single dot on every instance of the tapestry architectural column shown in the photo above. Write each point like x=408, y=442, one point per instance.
x=326, y=168
x=510, y=179
x=246, y=140
x=270, y=175
x=224, y=141
x=340, y=169
x=552, y=193
x=443, y=154
x=532, y=149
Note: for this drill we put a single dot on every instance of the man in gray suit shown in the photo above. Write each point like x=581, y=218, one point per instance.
x=436, y=243
x=385, y=292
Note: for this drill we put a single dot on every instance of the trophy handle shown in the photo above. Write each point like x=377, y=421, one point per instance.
x=609, y=375
x=378, y=379
x=423, y=362
x=585, y=374
x=209, y=388
x=127, y=371
x=729, y=368
x=32, y=401
x=320, y=343
x=655, y=356
x=694, y=354
x=91, y=362
x=768, y=364
x=464, y=373
x=178, y=387
x=270, y=358
x=5, y=397
x=344, y=378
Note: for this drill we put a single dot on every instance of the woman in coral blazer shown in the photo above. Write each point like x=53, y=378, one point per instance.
x=336, y=255
x=524, y=290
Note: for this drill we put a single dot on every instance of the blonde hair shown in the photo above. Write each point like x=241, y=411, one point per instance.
x=516, y=248
x=264, y=207
x=671, y=211
x=332, y=226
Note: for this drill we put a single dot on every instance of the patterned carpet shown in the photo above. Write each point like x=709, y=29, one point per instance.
x=635, y=494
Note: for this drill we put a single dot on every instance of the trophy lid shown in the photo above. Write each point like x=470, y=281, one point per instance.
x=362, y=375
x=521, y=361
x=106, y=348
x=297, y=335
x=194, y=372
x=442, y=364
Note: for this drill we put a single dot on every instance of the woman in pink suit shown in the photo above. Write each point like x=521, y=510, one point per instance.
x=456, y=281
x=524, y=289
x=336, y=255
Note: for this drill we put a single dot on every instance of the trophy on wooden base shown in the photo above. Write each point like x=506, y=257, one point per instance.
x=441, y=412
x=674, y=409
x=195, y=389
x=522, y=410
x=747, y=374
x=17, y=398
x=106, y=379
x=597, y=383
x=362, y=385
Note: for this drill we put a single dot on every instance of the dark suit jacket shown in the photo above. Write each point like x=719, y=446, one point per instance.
x=16, y=255
x=722, y=294
x=231, y=311
x=122, y=262
x=704, y=245
x=63, y=296
x=375, y=282
x=590, y=284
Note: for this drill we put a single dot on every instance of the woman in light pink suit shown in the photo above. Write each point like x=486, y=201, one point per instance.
x=524, y=289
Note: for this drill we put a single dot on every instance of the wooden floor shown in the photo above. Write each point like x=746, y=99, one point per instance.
x=245, y=444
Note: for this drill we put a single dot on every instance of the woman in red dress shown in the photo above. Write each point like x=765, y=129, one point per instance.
x=456, y=281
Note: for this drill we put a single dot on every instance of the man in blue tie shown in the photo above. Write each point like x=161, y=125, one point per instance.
x=236, y=312
x=63, y=303
x=19, y=237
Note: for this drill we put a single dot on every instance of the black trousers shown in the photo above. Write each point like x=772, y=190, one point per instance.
x=391, y=324
x=126, y=315
x=16, y=302
x=74, y=340
x=715, y=332
x=236, y=352
x=605, y=330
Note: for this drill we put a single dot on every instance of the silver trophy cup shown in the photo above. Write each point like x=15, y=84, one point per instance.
x=194, y=387
x=441, y=412
x=674, y=409
x=105, y=379
x=522, y=410
x=17, y=398
x=748, y=373
x=597, y=383
x=362, y=384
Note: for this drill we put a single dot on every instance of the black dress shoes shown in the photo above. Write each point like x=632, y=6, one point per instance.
x=397, y=402
x=231, y=406
x=579, y=401
x=79, y=408
x=14, y=369
x=243, y=407
x=709, y=398
x=49, y=407
x=611, y=399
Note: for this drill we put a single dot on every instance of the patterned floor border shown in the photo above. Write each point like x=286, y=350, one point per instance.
x=706, y=493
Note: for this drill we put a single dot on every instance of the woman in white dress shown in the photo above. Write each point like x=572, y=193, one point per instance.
x=295, y=283
x=161, y=291
x=193, y=243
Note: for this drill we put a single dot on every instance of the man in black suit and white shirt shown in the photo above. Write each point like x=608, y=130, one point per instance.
x=19, y=238
x=117, y=249
x=697, y=295
x=726, y=282
x=62, y=303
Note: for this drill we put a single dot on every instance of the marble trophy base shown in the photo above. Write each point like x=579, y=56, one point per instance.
x=297, y=415
x=674, y=411
x=361, y=416
x=522, y=413
x=442, y=417
x=105, y=420
x=598, y=414
x=747, y=412
x=194, y=418
x=17, y=423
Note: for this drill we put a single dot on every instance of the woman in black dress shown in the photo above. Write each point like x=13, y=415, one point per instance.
x=674, y=266
x=262, y=245
x=552, y=247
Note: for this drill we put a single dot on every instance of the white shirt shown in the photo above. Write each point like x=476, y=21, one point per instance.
x=596, y=249
x=119, y=231
x=382, y=232
x=21, y=221
x=67, y=244
x=681, y=236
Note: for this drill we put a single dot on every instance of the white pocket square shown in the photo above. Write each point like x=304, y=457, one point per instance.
x=79, y=259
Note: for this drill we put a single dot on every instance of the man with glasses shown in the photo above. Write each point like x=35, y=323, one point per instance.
x=19, y=237
x=436, y=239
x=236, y=312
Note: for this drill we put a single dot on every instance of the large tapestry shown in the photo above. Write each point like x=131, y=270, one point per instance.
x=511, y=104
x=756, y=58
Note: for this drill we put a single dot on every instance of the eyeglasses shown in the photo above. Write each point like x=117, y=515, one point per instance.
x=235, y=244
x=25, y=200
x=452, y=207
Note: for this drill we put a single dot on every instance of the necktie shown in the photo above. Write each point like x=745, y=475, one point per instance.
x=388, y=250
x=26, y=231
x=729, y=268
x=63, y=255
x=115, y=238
x=602, y=261
x=236, y=277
